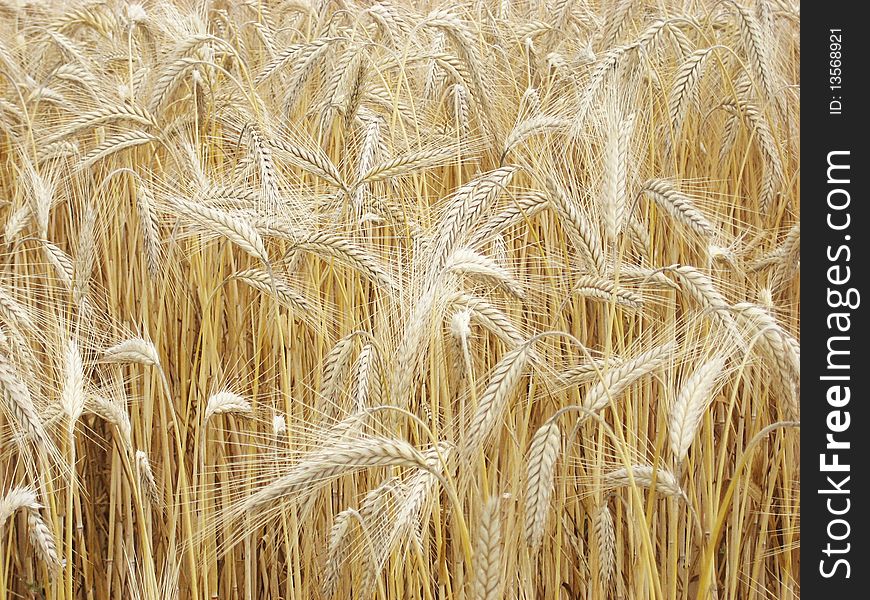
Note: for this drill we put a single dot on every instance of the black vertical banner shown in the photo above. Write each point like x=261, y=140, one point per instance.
x=834, y=342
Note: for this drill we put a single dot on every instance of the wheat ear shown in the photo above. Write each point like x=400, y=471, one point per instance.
x=490, y=317
x=756, y=45
x=469, y=262
x=103, y=116
x=16, y=396
x=329, y=245
x=334, y=367
x=487, y=554
x=665, y=481
x=114, y=144
x=148, y=227
x=615, y=185
x=584, y=238
x=692, y=401
x=617, y=380
x=408, y=163
x=225, y=402
x=16, y=499
x=526, y=206
x=605, y=539
x=467, y=204
x=42, y=540
x=493, y=400
x=333, y=460
x=543, y=454
x=278, y=289
x=133, y=350
x=336, y=550
x=685, y=89
x=112, y=412
x=311, y=161
x=238, y=231
x=599, y=288
x=62, y=263
x=147, y=483
x=679, y=206
x=14, y=313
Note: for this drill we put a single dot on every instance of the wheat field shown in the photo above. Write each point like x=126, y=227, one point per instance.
x=316, y=299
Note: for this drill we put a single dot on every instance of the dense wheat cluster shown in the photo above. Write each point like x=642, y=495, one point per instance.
x=399, y=300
